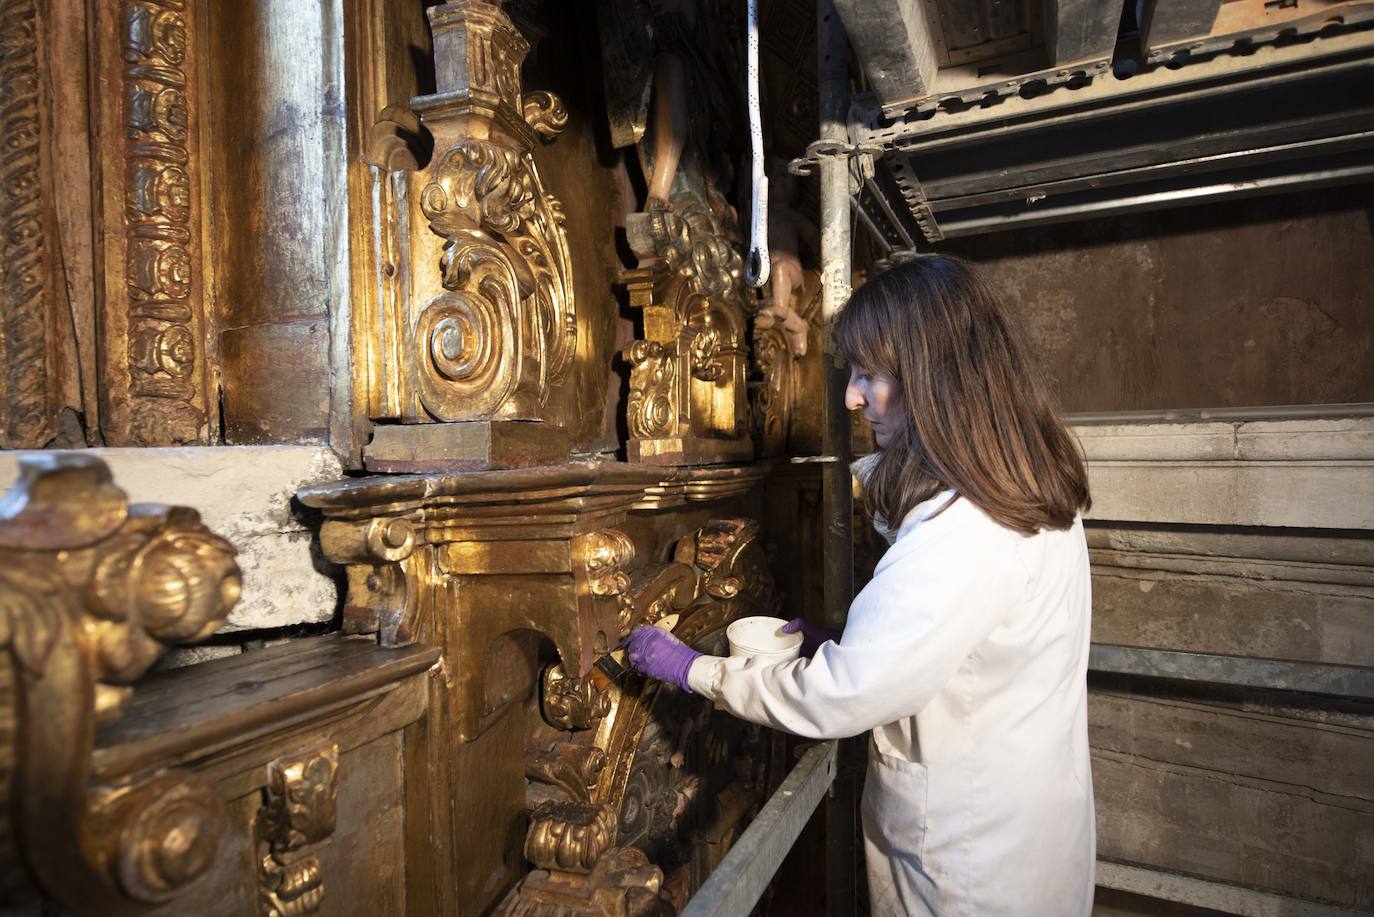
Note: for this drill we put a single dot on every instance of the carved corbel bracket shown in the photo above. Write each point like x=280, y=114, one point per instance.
x=296, y=821
x=92, y=592
x=384, y=575
x=490, y=340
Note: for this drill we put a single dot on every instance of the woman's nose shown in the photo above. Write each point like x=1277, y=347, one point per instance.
x=853, y=397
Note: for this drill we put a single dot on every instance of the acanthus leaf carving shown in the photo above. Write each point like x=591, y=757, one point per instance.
x=505, y=331
x=571, y=768
x=295, y=821
x=570, y=702
x=92, y=591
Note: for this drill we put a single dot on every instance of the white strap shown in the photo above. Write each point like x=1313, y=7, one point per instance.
x=756, y=265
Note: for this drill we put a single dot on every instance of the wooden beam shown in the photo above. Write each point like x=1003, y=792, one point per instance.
x=895, y=45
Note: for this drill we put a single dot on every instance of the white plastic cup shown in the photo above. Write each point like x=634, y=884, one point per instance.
x=762, y=636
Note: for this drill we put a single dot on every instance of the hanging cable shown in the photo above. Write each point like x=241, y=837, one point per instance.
x=757, y=265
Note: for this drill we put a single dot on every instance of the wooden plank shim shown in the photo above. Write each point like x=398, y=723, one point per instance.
x=1350, y=681
x=1217, y=896
x=1078, y=30
x=1176, y=20
x=740, y=879
x=895, y=44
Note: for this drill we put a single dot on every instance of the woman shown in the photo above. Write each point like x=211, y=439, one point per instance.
x=966, y=655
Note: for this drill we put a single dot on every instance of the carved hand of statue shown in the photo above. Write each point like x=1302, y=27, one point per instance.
x=786, y=278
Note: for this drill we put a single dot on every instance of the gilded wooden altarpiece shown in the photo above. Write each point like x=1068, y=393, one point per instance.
x=527, y=580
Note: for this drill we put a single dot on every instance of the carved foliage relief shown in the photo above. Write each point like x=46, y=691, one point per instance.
x=665, y=771
x=297, y=819
x=502, y=331
x=153, y=351
x=92, y=591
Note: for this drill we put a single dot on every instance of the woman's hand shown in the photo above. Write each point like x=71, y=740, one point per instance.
x=812, y=636
x=654, y=652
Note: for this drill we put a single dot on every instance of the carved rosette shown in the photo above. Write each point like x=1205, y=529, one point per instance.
x=155, y=372
x=504, y=329
x=297, y=819
x=92, y=591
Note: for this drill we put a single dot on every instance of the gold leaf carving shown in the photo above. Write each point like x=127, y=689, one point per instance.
x=545, y=113
x=172, y=837
x=505, y=329
x=297, y=819
x=154, y=378
x=569, y=836
x=571, y=768
x=650, y=408
x=570, y=702
x=605, y=555
x=91, y=593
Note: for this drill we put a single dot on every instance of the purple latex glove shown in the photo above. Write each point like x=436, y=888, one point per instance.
x=812, y=636
x=654, y=652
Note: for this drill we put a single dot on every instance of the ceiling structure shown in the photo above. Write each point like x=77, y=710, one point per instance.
x=983, y=115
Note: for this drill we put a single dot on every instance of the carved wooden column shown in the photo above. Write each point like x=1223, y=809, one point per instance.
x=92, y=591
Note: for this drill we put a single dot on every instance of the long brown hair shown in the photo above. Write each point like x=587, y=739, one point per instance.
x=978, y=416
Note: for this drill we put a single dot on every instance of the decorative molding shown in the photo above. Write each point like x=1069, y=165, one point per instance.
x=92, y=592
x=155, y=367
x=28, y=383
x=297, y=819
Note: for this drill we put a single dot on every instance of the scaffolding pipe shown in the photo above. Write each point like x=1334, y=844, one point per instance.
x=832, y=50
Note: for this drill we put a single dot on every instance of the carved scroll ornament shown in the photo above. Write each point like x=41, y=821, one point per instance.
x=503, y=330
x=92, y=591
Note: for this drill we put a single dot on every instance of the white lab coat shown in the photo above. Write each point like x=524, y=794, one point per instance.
x=967, y=657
